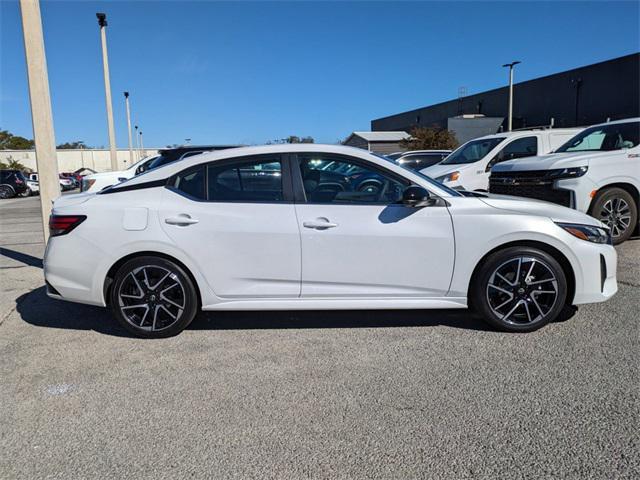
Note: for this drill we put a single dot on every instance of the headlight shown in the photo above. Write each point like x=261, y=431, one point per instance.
x=449, y=177
x=587, y=232
x=573, y=172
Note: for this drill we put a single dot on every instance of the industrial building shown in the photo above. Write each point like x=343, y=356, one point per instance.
x=579, y=97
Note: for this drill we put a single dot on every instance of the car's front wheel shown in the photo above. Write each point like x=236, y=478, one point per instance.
x=153, y=297
x=519, y=289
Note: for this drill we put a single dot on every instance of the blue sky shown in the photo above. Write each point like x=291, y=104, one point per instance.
x=249, y=72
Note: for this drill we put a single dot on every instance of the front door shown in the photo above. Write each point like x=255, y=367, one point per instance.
x=359, y=241
x=237, y=222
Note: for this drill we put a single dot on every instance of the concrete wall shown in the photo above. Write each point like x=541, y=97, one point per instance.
x=71, y=160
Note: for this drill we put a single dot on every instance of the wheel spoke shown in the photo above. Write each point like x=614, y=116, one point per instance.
x=135, y=280
x=537, y=282
x=504, y=303
x=175, y=317
x=504, y=279
x=146, y=312
x=501, y=289
x=162, y=297
x=526, y=307
x=535, y=302
x=533, y=263
x=512, y=310
x=159, y=282
x=140, y=305
x=146, y=278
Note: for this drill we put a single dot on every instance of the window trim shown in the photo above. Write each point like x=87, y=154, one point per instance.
x=287, y=191
x=300, y=196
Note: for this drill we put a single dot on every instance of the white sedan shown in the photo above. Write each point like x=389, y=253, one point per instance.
x=267, y=228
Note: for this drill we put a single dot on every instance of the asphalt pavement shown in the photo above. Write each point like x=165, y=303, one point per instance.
x=293, y=395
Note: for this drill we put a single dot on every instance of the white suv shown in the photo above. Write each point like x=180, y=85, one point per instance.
x=468, y=166
x=596, y=172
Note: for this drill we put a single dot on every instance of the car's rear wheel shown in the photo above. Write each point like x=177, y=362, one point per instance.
x=617, y=209
x=5, y=192
x=153, y=297
x=519, y=289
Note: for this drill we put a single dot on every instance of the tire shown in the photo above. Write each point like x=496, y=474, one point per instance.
x=523, y=304
x=616, y=208
x=153, y=297
x=6, y=192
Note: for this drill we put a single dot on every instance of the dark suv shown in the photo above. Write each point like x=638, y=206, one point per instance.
x=12, y=183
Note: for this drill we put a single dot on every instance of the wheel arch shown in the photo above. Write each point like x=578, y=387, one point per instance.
x=545, y=247
x=108, y=281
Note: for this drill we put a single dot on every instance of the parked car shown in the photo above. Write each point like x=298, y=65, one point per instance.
x=33, y=188
x=469, y=165
x=97, y=181
x=596, y=172
x=12, y=183
x=66, y=183
x=419, y=159
x=241, y=229
x=77, y=179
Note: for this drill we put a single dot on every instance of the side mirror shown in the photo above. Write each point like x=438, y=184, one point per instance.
x=121, y=179
x=415, y=196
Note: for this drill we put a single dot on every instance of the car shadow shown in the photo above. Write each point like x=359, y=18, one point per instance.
x=37, y=309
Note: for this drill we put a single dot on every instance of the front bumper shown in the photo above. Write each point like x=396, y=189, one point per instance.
x=596, y=280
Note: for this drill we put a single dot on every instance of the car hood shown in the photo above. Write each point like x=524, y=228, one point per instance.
x=548, y=162
x=438, y=170
x=530, y=206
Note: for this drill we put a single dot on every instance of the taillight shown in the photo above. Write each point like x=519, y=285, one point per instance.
x=63, y=224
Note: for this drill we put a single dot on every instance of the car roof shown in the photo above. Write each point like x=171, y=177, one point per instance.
x=172, y=168
x=624, y=120
x=414, y=152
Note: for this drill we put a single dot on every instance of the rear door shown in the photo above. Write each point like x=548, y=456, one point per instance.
x=237, y=222
x=357, y=239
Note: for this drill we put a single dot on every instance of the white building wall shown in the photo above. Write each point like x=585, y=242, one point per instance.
x=71, y=160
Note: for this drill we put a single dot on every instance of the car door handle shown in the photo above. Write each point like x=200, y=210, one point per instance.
x=319, y=224
x=181, y=220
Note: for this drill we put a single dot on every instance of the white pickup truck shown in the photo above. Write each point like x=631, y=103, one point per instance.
x=468, y=167
x=596, y=172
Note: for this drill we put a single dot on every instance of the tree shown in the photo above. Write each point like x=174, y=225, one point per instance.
x=72, y=145
x=9, y=141
x=292, y=139
x=430, y=138
x=13, y=165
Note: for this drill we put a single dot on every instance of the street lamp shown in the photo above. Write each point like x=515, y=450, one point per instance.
x=137, y=143
x=510, y=118
x=126, y=101
x=102, y=21
x=141, y=145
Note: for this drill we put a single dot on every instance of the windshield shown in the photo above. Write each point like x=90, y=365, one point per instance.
x=604, y=138
x=450, y=191
x=141, y=161
x=472, y=151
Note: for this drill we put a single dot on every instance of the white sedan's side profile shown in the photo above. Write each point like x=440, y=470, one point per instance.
x=268, y=228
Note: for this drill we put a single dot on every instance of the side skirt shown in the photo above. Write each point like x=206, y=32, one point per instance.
x=339, y=304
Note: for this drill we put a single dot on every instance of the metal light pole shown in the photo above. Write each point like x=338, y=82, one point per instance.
x=126, y=101
x=40, y=108
x=102, y=21
x=142, y=152
x=510, y=120
x=137, y=143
